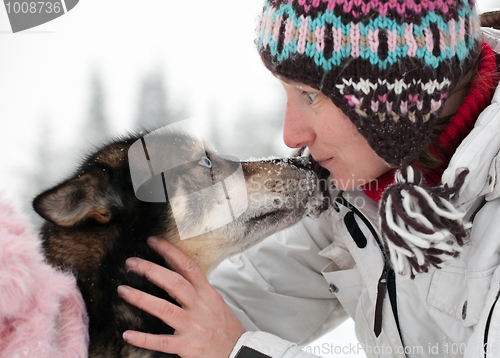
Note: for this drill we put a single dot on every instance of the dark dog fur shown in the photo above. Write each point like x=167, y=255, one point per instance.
x=95, y=222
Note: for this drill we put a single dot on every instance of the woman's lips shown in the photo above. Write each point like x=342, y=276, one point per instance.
x=324, y=162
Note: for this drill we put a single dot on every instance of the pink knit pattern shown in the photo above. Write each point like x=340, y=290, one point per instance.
x=410, y=40
x=355, y=40
x=478, y=97
x=417, y=7
x=429, y=39
x=373, y=39
x=399, y=48
x=453, y=39
x=337, y=39
x=320, y=36
x=277, y=26
x=269, y=25
x=42, y=313
x=301, y=44
x=288, y=31
x=392, y=37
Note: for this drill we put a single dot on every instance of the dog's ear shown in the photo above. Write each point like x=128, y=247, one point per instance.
x=75, y=200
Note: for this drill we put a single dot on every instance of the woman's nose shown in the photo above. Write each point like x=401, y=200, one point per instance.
x=296, y=131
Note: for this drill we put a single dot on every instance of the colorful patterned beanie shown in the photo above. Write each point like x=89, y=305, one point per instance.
x=389, y=65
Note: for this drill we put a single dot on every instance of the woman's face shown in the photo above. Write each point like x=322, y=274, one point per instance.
x=312, y=119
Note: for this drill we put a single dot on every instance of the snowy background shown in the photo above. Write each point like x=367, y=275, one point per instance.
x=112, y=66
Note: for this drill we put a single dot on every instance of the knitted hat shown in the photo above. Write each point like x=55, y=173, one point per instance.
x=389, y=65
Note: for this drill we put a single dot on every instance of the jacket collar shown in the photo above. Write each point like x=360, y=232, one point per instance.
x=479, y=152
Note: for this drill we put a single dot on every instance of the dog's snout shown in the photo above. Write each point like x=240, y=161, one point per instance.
x=308, y=163
x=302, y=162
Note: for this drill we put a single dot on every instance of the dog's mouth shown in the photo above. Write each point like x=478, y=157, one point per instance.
x=269, y=222
x=255, y=220
x=311, y=203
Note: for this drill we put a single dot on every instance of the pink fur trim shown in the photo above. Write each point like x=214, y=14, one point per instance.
x=42, y=313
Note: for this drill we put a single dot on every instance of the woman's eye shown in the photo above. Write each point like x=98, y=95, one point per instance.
x=205, y=162
x=310, y=95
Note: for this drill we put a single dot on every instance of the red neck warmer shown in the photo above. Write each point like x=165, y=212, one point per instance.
x=478, y=98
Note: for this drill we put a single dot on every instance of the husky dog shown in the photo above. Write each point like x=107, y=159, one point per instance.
x=95, y=221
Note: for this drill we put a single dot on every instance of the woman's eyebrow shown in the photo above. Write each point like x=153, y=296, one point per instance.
x=295, y=83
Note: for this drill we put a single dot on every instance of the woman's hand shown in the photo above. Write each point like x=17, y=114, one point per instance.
x=205, y=325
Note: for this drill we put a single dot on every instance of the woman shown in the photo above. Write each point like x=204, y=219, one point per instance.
x=394, y=98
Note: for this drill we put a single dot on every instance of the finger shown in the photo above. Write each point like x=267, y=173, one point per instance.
x=166, y=311
x=180, y=262
x=176, y=285
x=159, y=343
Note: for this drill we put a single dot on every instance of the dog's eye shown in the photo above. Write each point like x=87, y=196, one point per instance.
x=205, y=162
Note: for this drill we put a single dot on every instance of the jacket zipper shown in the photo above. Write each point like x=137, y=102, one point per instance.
x=387, y=280
x=487, y=328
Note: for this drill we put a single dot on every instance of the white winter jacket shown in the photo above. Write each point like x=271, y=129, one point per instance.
x=306, y=280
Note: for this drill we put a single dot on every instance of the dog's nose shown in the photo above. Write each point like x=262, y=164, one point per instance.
x=305, y=162
x=309, y=163
x=301, y=162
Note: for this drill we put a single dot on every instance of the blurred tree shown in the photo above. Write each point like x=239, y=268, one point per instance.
x=258, y=131
x=153, y=110
x=95, y=127
x=217, y=132
x=45, y=171
x=44, y=164
x=39, y=175
x=253, y=133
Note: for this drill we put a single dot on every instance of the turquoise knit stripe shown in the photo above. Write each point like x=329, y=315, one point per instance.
x=365, y=52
